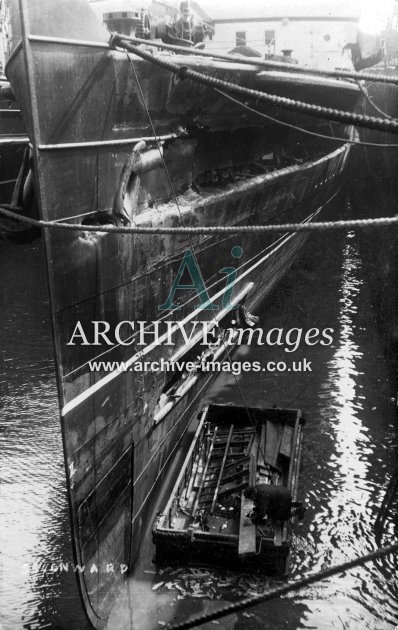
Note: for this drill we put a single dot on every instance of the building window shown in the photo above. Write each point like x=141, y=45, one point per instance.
x=241, y=38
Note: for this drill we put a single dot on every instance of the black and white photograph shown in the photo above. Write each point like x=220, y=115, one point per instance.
x=198, y=314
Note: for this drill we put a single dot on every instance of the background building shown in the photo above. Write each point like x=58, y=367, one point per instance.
x=315, y=31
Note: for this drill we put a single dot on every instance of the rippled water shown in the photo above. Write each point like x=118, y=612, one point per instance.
x=33, y=502
x=349, y=455
x=350, y=442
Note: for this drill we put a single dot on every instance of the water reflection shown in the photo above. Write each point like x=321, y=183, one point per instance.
x=350, y=448
x=342, y=527
x=33, y=506
x=350, y=453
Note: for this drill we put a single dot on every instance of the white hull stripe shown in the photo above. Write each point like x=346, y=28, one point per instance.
x=136, y=357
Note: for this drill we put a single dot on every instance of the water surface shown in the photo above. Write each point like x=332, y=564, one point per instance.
x=349, y=454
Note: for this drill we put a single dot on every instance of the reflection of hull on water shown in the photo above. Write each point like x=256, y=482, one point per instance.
x=378, y=191
x=121, y=429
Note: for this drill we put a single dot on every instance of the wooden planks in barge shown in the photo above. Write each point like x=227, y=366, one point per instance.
x=207, y=519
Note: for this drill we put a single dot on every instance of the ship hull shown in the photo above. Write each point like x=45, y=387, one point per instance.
x=13, y=142
x=97, y=118
x=116, y=455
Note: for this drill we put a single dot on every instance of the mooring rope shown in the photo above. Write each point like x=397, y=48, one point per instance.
x=254, y=600
x=321, y=226
x=371, y=103
x=265, y=63
x=336, y=115
x=317, y=134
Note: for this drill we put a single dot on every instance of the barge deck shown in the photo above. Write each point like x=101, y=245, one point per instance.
x=207, y=518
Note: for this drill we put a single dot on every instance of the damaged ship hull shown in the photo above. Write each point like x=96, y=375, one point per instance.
x=116, y=140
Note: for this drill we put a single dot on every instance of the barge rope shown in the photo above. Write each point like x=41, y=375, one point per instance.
x=254, y=600
x=319, y=111
x=8, y=211
x=270, y=64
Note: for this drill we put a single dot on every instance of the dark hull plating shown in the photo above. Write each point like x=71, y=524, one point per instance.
x=12, y=142
x=378, y=190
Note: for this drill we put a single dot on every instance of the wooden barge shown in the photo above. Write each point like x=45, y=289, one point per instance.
x=207, y=517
